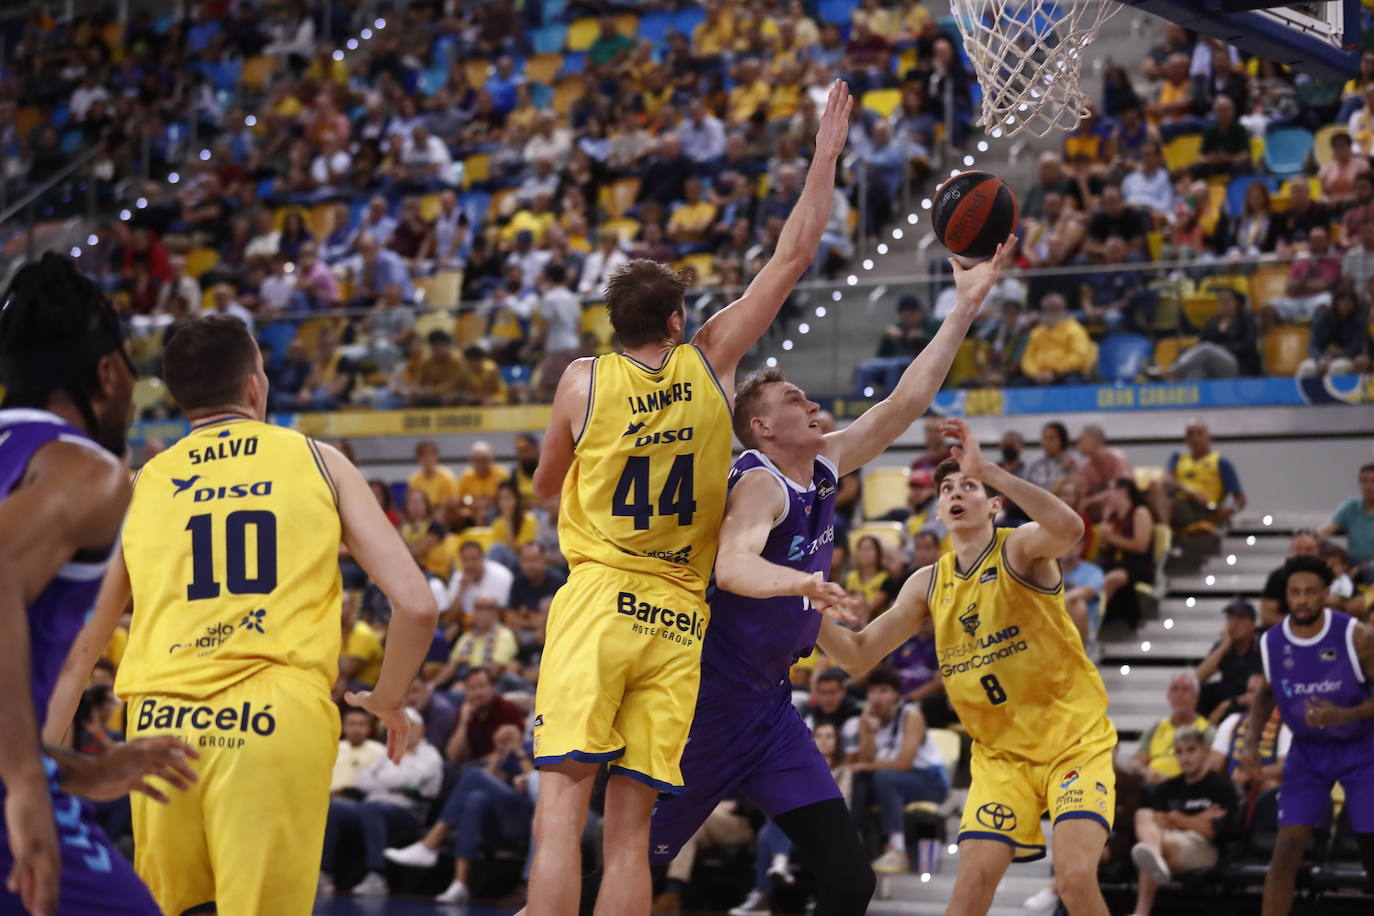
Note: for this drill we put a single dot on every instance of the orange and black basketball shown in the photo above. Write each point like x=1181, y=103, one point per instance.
x=974, y=213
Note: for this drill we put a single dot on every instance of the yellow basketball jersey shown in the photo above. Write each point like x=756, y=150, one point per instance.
x=232, y=544
x=1013, y=664
x=646, y=492
x=1202, y=474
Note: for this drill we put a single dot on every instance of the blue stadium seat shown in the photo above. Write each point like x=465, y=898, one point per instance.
x=1235, y=191
x=1286, y=149
x=71, y=141
x=434, y=78
x=475, y=204
x=198, y=36
x=555, y=10
x=398, y=494
x=685, y=21
x=573, y=61
x=541, y=96
x=1122, y=356
x=549, y=39
x=276, y=335
x=655, y=27
x=61, y=114
x=836, y=11
x=516, y=375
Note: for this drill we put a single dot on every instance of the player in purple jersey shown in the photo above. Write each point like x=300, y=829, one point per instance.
x=63, y=490
x=774, y=558
x=1318, y=668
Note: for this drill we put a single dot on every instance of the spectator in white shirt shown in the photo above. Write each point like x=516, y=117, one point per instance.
x=86, y=94
x=330, y=169
x=376, y=223
x=426, y=158
x=180, y=285
x=549, y=141
x=543, y=180
x=600, y=264
x=450, y=233
x=476, y=575
x=224, y=303
x=279, y=288
x=562, y=335
x=1357, y=265
x=396, y=797
x=1361, y=125
x=357, y=750
x=701, y=135
x=1149, y=186
x=267, y=241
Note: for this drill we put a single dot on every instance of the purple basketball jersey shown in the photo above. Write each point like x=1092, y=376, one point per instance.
x=752, y=643
x=1322, y=667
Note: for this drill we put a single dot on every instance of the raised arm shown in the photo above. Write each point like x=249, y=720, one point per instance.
x=879, y=426
x=1054, y=526
x=571, y=404
x=754, y=505
x=857, y=652
x=378, y=548
x=732, y=331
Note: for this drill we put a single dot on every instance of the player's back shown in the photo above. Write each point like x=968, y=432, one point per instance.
x=57, y=613
x=1013, y=664
x=232, y=544
x=753, y=642
x=646, y=492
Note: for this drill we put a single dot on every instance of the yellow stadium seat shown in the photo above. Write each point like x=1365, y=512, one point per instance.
x=469, y=329
x=27, y=119
x=502, y=204
x=1266, y=284
x=626, y=228
x=567, y=92
x=582, y=33
x=199, y=260
x=967, y=361
x=1146, y=475
x=1321, y=142
x=542, y=68
x=321, y=219
x=1216, y=205
x=627, y=24
x=1154, y=240
x=703, y=264
x=477, y=70
x=882, y=101
x=1199, y=309
x=889, y=534
x=442, y=289
x=429, y=206
x=1256, y=150
x=1182, y=151
x=257, y=71
x=309, y=332
x=884, y=489
x=620, y=196
x=481, y=534
x=1163, y=540
x=597, y=322
x=148, y=394
x=950, y=745
x=1284, y=348
x=428, y=322
x=1168, y=348
x=279, y=216
x=476, y=167
x=907, y=61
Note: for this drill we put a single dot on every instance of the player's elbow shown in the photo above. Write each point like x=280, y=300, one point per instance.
x=417, y=606
x=1073, y=528
x=545, y=485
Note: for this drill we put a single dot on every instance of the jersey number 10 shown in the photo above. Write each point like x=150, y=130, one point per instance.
x=632, y=492
x=236, y=524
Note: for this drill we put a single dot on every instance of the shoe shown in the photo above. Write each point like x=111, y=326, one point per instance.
x=1150, y=862
x=668, y=903
x=325, y=887
x=781, y=869
x=892, y=862
x=756, y=904
x=374, y=885
x=416, y=854
x=1044, y=900
x=457, y=892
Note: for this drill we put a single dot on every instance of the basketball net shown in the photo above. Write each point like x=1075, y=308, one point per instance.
x=1029, y=55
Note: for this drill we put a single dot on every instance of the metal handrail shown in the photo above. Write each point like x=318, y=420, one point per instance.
x=65, y=173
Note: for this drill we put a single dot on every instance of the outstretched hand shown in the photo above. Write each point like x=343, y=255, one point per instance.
x=126, y=767
x=974, y=283
x=968, y=452
x=830, y=599
x=834, y=129
x=394, y=718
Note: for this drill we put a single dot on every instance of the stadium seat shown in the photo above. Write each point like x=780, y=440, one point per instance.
x=199, y=35
x=469, y=328
x=837, y=11
x=476, y=169
x=476, y=70
x=567, y=92
x=1146, y=475
x=427, y=322
x=1182, y=151
x=1256, y=150
x=429, y=207
x=968, y=359
x=442, y=289
x=1283, y=348
x=889, y=534
x=1341, y=869
x=199, y=260
x=515, y=375
x=276, y=336
x=621, y=196
x=1168, y=348
x=1266, y=284
x=1321, y=142
x=1235, y=192
x=655, y=26
x=549, y=39
x=686, y=20
x=951, y=747
x=543, y=68
x=884, y=489
x=1286, y=149
x=582, y=33
x=1198, y=309
x=597, y=322
x=624, y=227
x=1122, y=357
x=703, y=264
x=627, y=24
x=149, y=393
x=882, y=102
x=1154, y=241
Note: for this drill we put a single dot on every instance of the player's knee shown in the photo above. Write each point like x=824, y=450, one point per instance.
x=1288, y=852
x=1075, y=880
x=846, y=883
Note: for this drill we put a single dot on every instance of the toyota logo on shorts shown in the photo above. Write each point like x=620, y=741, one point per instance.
x=997, y=816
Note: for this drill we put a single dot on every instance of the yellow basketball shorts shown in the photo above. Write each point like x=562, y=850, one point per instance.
x=249, y=834
x=1009, y=794
x=619, y=675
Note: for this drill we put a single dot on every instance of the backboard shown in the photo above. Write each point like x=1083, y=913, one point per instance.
x=1321, y=39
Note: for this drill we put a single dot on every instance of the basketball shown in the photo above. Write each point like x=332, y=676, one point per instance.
x=974, y=213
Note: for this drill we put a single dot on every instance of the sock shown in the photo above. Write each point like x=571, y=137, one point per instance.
x=897, y=841
x=779, y=862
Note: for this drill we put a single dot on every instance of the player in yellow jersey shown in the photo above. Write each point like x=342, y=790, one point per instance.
x=639, y=445
x=1015, y=670
x=230, y=553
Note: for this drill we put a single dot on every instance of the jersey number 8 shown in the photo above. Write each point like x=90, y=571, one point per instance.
x=996, y=695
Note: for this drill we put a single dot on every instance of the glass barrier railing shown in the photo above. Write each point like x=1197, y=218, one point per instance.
x=846, y=338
